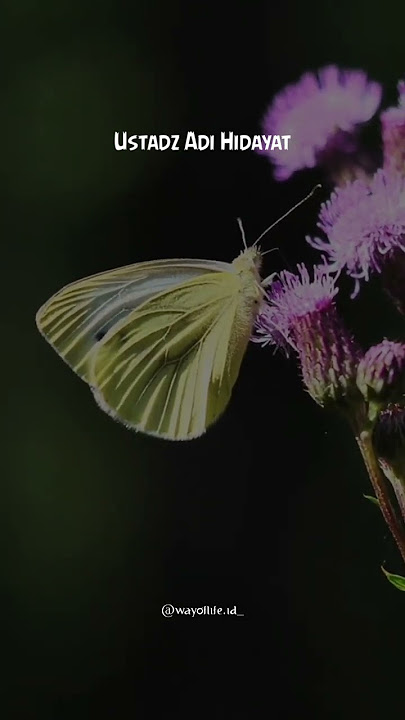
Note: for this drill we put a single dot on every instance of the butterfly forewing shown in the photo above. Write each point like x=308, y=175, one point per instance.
x=168, y=369
x=81, y=314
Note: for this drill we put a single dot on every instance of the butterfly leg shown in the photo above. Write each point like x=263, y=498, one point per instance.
x=268, y=280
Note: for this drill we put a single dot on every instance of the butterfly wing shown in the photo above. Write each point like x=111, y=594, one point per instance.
x=169, y=367
x=77, y=317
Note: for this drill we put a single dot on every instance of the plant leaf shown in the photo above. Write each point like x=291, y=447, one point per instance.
x=396, y=580
x=372, y=499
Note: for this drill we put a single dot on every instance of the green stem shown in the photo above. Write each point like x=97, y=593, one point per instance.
x=397, y=483
x=378, y=482
x=399, y=494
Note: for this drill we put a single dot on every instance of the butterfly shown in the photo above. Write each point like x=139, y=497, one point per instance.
x=160, y=343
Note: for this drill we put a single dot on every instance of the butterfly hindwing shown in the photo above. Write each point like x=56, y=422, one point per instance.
x=168, y=369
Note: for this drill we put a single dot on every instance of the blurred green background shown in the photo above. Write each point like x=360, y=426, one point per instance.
x=101, y=527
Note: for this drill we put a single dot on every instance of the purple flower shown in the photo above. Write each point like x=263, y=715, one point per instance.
x=393, y=133
x=320, y=112
x=289, y=298
x=301, y=313
x=381, y=375
x=269, y=328
x=364, y=224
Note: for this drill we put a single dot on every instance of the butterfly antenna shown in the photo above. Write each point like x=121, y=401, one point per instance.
x=269, y=251
x=287, y=213
x=239, y=221
x=283, y=257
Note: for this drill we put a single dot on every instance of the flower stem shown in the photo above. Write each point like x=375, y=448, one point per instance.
x=399, y=494
x=396, y=482
x=378, y=482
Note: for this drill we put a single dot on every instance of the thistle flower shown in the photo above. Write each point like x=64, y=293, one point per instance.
x=321, y=113
x=393, y=133
x=301, y=313
x=381, y=375
x=364, y=225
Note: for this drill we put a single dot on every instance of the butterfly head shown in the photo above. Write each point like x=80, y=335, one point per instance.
x=249, y=260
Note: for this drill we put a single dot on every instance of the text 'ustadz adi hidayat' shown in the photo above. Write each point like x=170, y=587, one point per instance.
x=193, y=141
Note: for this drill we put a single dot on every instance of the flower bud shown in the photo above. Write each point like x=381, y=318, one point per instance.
x=381, y=375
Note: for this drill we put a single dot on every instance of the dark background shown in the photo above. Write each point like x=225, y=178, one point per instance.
x=100, y=526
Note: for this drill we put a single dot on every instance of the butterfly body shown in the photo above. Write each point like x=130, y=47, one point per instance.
x=160, y=343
